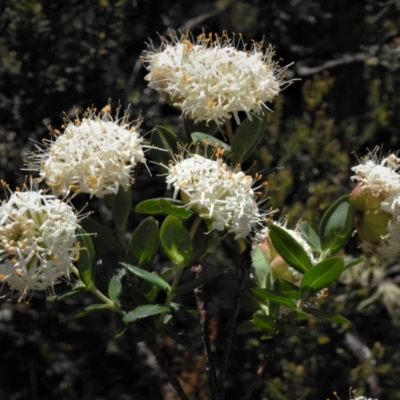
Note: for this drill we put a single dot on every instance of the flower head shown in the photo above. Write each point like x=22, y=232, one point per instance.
x=95, y=155
x=210, y=79
x=217, y=192
x=377, y=201
x=37, y=241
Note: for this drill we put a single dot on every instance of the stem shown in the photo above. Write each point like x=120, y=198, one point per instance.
x=229, y=130
x=162, y=360
x=101, y=296
x=197, y=269
x=244, y=269
x=195, y=225
x=267, y=357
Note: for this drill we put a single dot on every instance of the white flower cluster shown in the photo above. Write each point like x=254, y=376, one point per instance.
x=94, y=155
x=210, y=79
x=216, y=192
x=380, y=179
x=37, y=241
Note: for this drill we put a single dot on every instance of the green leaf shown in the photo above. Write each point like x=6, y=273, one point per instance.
x=115, y=286
x=165, y=143
x=149, y=290
x=93, y=308
x=247, y=137
x=86, y=259
x=261, y=268
x=209, y=128
x=163, y=207
x=337, y=224
x=176, y=241
x=208, y=140
x=310, y=236
x=149, y=277
x=121, y=205
x=326, y=315
x=144, y=311
x=199, y=239
x=275, y=297
x=104, y=238
x=78, y=288
x=351, y=263
x=289, y=249
x=321, y=275
x=286, y=288
x=264, y=322
x=189, y=286
x=144, y=243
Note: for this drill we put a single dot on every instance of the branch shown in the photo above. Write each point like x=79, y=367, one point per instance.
x=162, y=360
x=197, y=269
x=244, y=269
x=303, y=70
x=267, y=358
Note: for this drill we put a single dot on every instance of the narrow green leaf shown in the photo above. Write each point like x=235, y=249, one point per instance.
x=310, y=236
x=206, y=140
x=93, y=308
x=149, y=277
x=326, y=315
x=121, y=205
x=115, y=286
x=176, y=241
x=275, y=297
x=321, y=275
x=163, y=207
x=264, y=322
x=351, y=263
x=103, y=237
x=165, y=143
x=209, y=128
x=289, y=249
x=144, y=311
x=178, y=211
x=86, y=260
x=286, y=288
x=144, y=243
x=337, y=224
x=189, y=286
x=261, y=268
x=200, y=238
x=247, y=137
x=78, y=288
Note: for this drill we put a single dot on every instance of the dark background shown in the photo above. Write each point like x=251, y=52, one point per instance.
x=55, y=56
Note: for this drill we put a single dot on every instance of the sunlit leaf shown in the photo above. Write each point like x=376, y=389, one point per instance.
x=149, y=277
x=176, y=241
x=289, y=249
x=337, y=224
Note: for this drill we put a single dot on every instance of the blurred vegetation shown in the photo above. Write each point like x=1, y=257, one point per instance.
x=57, y=56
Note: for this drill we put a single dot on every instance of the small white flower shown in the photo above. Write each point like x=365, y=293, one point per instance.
x=37, y=241
x=211, y=79
x=216, y=192
x=95, y=155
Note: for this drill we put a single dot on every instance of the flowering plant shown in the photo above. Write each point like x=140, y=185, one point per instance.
x=283, y=275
